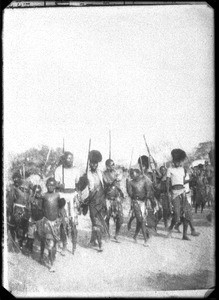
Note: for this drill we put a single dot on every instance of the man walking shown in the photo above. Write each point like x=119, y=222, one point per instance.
x=97, y=203
x=67, y=177
x=114, y=196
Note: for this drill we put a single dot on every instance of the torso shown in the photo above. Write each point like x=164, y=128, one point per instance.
x=50, y=206
x=176, y=175
x=71, y=176
x=109, y=178
x=36, y=208
x=139, y=188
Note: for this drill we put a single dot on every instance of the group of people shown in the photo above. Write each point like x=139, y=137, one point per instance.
x=53, y=216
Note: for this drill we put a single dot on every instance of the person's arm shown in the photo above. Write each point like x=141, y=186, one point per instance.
x=129, y=188
x=77, y=176
x=150, y=193
x=168, y=185
x=188, y=180
x=58, y=178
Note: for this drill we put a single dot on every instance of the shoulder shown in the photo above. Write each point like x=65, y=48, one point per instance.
x=169, y=171
x=76, y=170
x=147, y=179
x=99, y=172
x=58, y=169
x=89, y=175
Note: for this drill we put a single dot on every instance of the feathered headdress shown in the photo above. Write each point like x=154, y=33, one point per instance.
x=144, y=161
x=95, y=156
x=178, y=155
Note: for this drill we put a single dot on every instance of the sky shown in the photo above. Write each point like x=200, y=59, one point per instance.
x=76, y=73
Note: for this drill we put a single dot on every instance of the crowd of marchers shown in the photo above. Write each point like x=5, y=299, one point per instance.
x=156, y=195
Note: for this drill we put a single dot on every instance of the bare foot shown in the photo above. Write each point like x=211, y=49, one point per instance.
x=52, y=269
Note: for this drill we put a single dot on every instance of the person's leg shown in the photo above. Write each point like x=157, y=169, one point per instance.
x=119, y=219
x=140, y=224
x=185, y=227
x=29, y=244
x=176, y=213
x=177, y=226
x=99, y=237
x=93, y=239
x=51, y=253
x=145, y=232
x=108, y=212
x=42, y=248
x=74, y=233
x=193, y=231
x=137, y=229
x=93, y=236
x=137, y=213
x=130, y=221
x=63, y=237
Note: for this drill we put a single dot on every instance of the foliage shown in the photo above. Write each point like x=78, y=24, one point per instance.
x=202, y=151
x=36, y=161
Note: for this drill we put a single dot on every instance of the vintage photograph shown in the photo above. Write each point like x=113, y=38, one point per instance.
x=108, y=149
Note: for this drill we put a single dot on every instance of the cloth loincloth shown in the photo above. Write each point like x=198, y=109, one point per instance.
x=72, y=206
x=49, y=229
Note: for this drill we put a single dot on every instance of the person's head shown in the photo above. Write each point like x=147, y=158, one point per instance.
x=131, y=171
x=25, y=189
x=94, y=157
x=143, y=162
x=37, y=190
x=178, y=156
x=163, y=170
x=93, y=166
x=136, y=173
x=211, y=156
x=17, y=179
x=68, y=159
x=51, y=184
x=110, y=165
x=150, y=175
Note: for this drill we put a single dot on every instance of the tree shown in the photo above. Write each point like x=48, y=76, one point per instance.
x=202, y=151
x=36, y=161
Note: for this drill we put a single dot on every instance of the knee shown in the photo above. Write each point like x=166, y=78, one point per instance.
x=50, y=244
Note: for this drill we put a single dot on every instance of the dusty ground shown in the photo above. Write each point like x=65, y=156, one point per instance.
x=122, y=268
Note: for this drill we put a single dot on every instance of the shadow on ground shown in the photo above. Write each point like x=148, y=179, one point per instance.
x=204, y=279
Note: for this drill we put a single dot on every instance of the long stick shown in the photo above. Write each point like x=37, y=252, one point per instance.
x=141, y=164
x=149, y=153
x=109, y=144
x=88, y=156
x=63, y=151
x=131, y=159
x=47, y=157
x=24, y=171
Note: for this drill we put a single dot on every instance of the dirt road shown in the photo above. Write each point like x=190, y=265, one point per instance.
x=124, y=268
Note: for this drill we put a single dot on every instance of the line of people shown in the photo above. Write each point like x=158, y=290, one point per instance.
x=52, y=217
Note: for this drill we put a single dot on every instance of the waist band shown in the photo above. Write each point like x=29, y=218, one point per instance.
x=177, y=187
x=139, y=199
x=111, y=198
x=68, y=191
x=19, y=205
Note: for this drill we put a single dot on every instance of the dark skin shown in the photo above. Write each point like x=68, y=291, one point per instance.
x=93, y=166
x=17, y=181
x=68, y=161
x=50, y=202
x=163, y=171
x=51, y=210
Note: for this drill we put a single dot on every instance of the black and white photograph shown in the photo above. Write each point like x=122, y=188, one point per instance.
x=108, y=149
